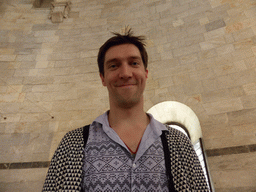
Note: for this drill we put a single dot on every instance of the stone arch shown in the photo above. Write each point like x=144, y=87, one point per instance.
x=173, y=111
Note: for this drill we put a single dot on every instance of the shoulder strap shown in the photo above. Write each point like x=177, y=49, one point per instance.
x=86, y=133
x=167, y=161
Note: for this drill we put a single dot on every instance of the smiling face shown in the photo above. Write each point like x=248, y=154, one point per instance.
x=124, y=75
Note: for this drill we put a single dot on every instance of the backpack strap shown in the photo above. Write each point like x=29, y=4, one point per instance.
x=86, y=133
x=167, y=161
x=85, y=136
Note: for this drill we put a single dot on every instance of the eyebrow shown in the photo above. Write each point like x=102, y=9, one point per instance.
x=112, y=60
x=116, y=59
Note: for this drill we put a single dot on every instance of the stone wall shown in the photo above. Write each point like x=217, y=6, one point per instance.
x=201, y=53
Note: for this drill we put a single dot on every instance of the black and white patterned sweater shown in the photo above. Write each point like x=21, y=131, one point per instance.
x=182, y=165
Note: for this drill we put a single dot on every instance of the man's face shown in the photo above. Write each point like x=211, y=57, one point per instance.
x=124, y=75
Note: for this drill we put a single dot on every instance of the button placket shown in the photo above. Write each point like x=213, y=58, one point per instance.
x=133, y=176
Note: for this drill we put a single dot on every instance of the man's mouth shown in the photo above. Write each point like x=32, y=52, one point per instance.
x=126, y=85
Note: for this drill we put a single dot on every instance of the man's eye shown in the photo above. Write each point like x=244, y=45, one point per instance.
x=135, y=63
x=112, y=66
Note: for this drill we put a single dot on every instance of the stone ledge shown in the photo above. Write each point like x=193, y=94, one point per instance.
x=25, y=165
x=231, y=150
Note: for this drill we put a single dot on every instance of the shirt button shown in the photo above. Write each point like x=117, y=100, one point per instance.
x=134, y=165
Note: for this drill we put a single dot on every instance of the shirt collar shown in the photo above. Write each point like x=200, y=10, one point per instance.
x=156, y=126
x=102, y=119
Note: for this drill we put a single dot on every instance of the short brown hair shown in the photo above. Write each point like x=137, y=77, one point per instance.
x=118, y=39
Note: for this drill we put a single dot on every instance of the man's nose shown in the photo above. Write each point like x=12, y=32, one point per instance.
x=125, y=71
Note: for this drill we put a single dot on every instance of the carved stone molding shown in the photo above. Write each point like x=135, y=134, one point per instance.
x=37, y=3
x=59, y=10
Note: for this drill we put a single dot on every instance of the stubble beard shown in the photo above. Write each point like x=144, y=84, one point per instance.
x=127, y=103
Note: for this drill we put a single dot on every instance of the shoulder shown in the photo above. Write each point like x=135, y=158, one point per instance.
x=178, y=140
x=75, y=133
x=177, y=135
x=73, y=137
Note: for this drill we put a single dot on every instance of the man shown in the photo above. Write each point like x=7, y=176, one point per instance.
x=125, y=149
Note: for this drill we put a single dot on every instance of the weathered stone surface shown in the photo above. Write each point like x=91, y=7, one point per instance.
x=221, y=94
x=44, y=27
x=215, y=25
x=212, y=43
x=186, y=50
x=7, y=57
x=38, y=80
x=15, y=179
x=244, y=129
x=242, y=117
x=243, y=34
x=250, y=89
x=249, y=102
x=230, y=164
x=223, y=106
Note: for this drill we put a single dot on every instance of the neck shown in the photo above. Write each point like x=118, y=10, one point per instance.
x=129, y=124
x=128, y=117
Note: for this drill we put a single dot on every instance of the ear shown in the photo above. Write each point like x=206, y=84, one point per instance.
x=102, y=80
x=146, y=73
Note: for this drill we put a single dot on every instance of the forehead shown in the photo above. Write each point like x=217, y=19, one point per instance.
x=123, y=51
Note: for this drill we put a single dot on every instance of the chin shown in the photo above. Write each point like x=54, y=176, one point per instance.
x=127, y=104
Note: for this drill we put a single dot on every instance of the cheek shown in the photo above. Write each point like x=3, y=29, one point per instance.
x=109, y=79
x=144, y=75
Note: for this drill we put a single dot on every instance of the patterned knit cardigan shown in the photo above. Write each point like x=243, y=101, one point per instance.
x=182, y=165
